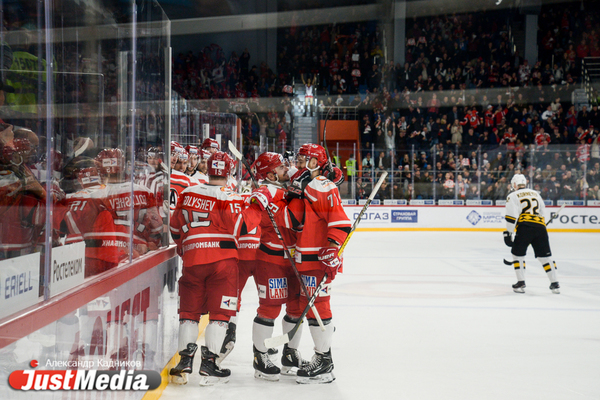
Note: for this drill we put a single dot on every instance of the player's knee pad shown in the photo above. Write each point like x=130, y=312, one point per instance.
x=293, y=308
x=268, y=311
x=291, y=318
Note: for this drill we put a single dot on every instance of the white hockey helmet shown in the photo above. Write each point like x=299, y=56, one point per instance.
x=518, y=180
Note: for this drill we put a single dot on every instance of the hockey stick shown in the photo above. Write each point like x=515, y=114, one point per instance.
x=364, y=209
x=286, y=337
x=325, y=133
x=238, y=155
x=552, y=218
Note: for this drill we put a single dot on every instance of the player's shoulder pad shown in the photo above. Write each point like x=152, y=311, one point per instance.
x=321, y=184
x=273, y=189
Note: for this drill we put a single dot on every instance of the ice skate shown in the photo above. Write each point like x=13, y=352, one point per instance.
x=210, y=372
x=319, y=370
x=291, y=361
x=179, y=373
x=519, y=287
x=264, y=367
x=554, y=286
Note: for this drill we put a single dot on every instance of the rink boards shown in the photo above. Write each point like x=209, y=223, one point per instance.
x=466, y=218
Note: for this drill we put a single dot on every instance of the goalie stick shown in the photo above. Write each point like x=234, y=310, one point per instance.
x=238, y=155
x=552, y=218
x=286, y=337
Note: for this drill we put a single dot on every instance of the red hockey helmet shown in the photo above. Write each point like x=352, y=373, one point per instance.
x=310, y=150
x=111, y=161
x=219, y=164
x=210, y=143
x=192, y=150
x=205, y=154
x=89, y=177
x=267, y=162
x=176, y=149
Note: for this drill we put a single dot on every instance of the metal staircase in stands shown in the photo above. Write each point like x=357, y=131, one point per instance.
x=305, y=127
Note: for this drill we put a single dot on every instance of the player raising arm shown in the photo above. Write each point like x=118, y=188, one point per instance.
x=525, y=209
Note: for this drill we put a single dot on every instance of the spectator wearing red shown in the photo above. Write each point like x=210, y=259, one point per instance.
x=583, y=50
x=542, y=138
x=472, y=119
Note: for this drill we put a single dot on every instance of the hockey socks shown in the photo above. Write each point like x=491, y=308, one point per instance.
x=550, y=268
x=263, y=366
x=291, y=359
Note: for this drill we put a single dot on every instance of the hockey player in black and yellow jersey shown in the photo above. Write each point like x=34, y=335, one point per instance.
x=525, y=211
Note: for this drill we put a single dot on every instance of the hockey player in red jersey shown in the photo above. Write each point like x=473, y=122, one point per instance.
x=179, y=180
x=88, y=219
x=202, y=168
x=146, y=223
x=210, y=145
x=194, y=158
x=276, y=282
x=157, y=179
x=206, y=225
x=326, y=226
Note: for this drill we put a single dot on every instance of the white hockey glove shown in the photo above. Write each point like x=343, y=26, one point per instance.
x=262, y=197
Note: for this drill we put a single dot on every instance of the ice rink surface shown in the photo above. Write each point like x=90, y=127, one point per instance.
x=432, y=315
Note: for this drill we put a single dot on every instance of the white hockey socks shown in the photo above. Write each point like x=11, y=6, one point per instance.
x=287, y=324
x=322, y=339
x=215, y=334
x=261, y=330
x=188, y=333
x=549, y=267
x=519, y=265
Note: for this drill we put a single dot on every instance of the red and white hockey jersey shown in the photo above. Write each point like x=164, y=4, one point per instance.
x=249, y=242
x=509, y=140
x=489, y=119
x=102, y=217
x=542, y=137
x=207, y=223
x=324, y=220
x=200, y=177
x=472, y=118
x=179, y=182
x=271, y=249
x=87, y=218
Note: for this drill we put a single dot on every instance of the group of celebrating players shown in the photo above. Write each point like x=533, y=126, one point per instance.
x=225, y=237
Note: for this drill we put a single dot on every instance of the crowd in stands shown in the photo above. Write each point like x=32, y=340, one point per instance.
x=460, y=90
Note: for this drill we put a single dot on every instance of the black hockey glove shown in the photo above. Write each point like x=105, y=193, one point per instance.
x=507, y=238
x=298, y=183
